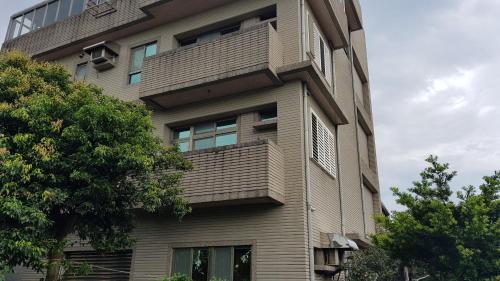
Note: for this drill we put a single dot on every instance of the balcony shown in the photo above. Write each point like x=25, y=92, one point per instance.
x=100, y=23
x=237, y=62
x=239, y=174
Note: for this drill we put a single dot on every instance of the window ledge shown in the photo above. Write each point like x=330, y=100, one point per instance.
x=322, y=168
x=265, y=125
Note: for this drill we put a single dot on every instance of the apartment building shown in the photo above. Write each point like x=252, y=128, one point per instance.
x=269, y=99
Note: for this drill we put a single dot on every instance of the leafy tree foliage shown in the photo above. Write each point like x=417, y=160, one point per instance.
x=452, y=239
x=372, y=264
x=74, y=161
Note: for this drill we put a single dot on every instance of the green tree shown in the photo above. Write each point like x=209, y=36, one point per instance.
x=75, y=161
x=372, y=264
x=452, y=239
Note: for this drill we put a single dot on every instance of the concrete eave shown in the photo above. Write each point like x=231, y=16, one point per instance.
x=307, y=71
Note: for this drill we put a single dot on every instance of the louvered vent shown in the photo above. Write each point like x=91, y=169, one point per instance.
x=105, y=267
x=323, y=145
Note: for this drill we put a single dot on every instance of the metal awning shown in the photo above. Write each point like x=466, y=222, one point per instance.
x=338, y=241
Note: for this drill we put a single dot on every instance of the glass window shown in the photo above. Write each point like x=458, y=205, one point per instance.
x=182, y=261
x=151, y=50
x=200, y=264
x=204, y=143
x=137, y=60
x=81, y=72
x=222, y=263
x=203, y=264
x=268, y=114
x=135, y=78
x=226, y=124
x=77, y=7
x=15, y=27
x=242, y=264
x=229, y=139
x=204, y=128
x=207, y=135
x=182, y=133
x=27, y=22
x=39, y=16
x=64, y=9
x=50, y=18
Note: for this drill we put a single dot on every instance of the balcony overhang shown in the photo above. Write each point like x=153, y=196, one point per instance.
x=247, y=173
x=332, y=20
x=353, y=10
x=318, y=87
x=235, y=63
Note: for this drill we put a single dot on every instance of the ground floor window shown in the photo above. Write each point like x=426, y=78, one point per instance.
x=103, y=267
x=225, y=263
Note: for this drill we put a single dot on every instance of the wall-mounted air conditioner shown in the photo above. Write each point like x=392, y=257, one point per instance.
x=103, y=55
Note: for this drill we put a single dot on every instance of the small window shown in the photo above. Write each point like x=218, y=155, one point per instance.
x=209, y=36
x=138, y=54
x=27, y=22
x=50, y=18
x=39, y=16
x=207, y=135
x=78, y=7
x=268, y=115
x=81, y=72
x=64, y=8
x=323, y=145
x=203, y=264
x=15, y=27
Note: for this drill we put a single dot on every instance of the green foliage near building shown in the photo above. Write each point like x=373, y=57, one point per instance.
x=453, y=239
x=372, y=264
x=75, y=161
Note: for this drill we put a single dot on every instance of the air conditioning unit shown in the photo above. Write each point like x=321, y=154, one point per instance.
x=103, y=55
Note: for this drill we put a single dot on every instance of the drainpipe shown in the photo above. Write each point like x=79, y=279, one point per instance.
x=305, y=114
x=309, y=206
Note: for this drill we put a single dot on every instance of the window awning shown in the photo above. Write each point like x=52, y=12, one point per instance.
x=338, y=241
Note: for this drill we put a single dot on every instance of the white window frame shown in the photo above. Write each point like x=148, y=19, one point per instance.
x=326, y=146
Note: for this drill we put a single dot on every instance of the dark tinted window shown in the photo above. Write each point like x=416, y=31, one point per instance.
x=51, y=13
x=39, y=15
x=200, y=264
x=77, y=7
x=64, y=9
x=242, y=264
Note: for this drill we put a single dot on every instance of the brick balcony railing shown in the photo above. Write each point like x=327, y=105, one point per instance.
x=248, y=57
x=244, y=173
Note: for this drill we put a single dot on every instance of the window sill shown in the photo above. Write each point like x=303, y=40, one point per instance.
x=322, y=168
x=265, y=125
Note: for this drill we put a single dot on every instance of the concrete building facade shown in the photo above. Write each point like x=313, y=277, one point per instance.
x=270, y=100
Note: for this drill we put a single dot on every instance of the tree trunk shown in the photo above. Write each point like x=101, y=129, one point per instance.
x=55, y=259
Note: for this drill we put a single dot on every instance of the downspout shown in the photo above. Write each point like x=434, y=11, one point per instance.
x=351, y=52
x=305, y=121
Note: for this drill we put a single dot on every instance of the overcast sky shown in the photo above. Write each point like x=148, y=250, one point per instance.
x=435, y=81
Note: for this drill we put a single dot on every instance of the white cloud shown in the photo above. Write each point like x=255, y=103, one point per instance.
x=435, y=86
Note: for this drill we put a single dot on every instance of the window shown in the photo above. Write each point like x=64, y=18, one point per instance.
x=203, y=264
x=268, y=114
x=207, y=135
x=81, y=72
x=112, y=266
x=209, y=36
x=137, y=60
x=322, y=53
x=323, y=145
x=43, y=15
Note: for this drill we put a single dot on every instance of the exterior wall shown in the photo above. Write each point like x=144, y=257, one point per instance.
x=348, y=147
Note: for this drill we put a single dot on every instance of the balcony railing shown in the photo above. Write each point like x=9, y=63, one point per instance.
x=238, y=174
x=236, y=62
